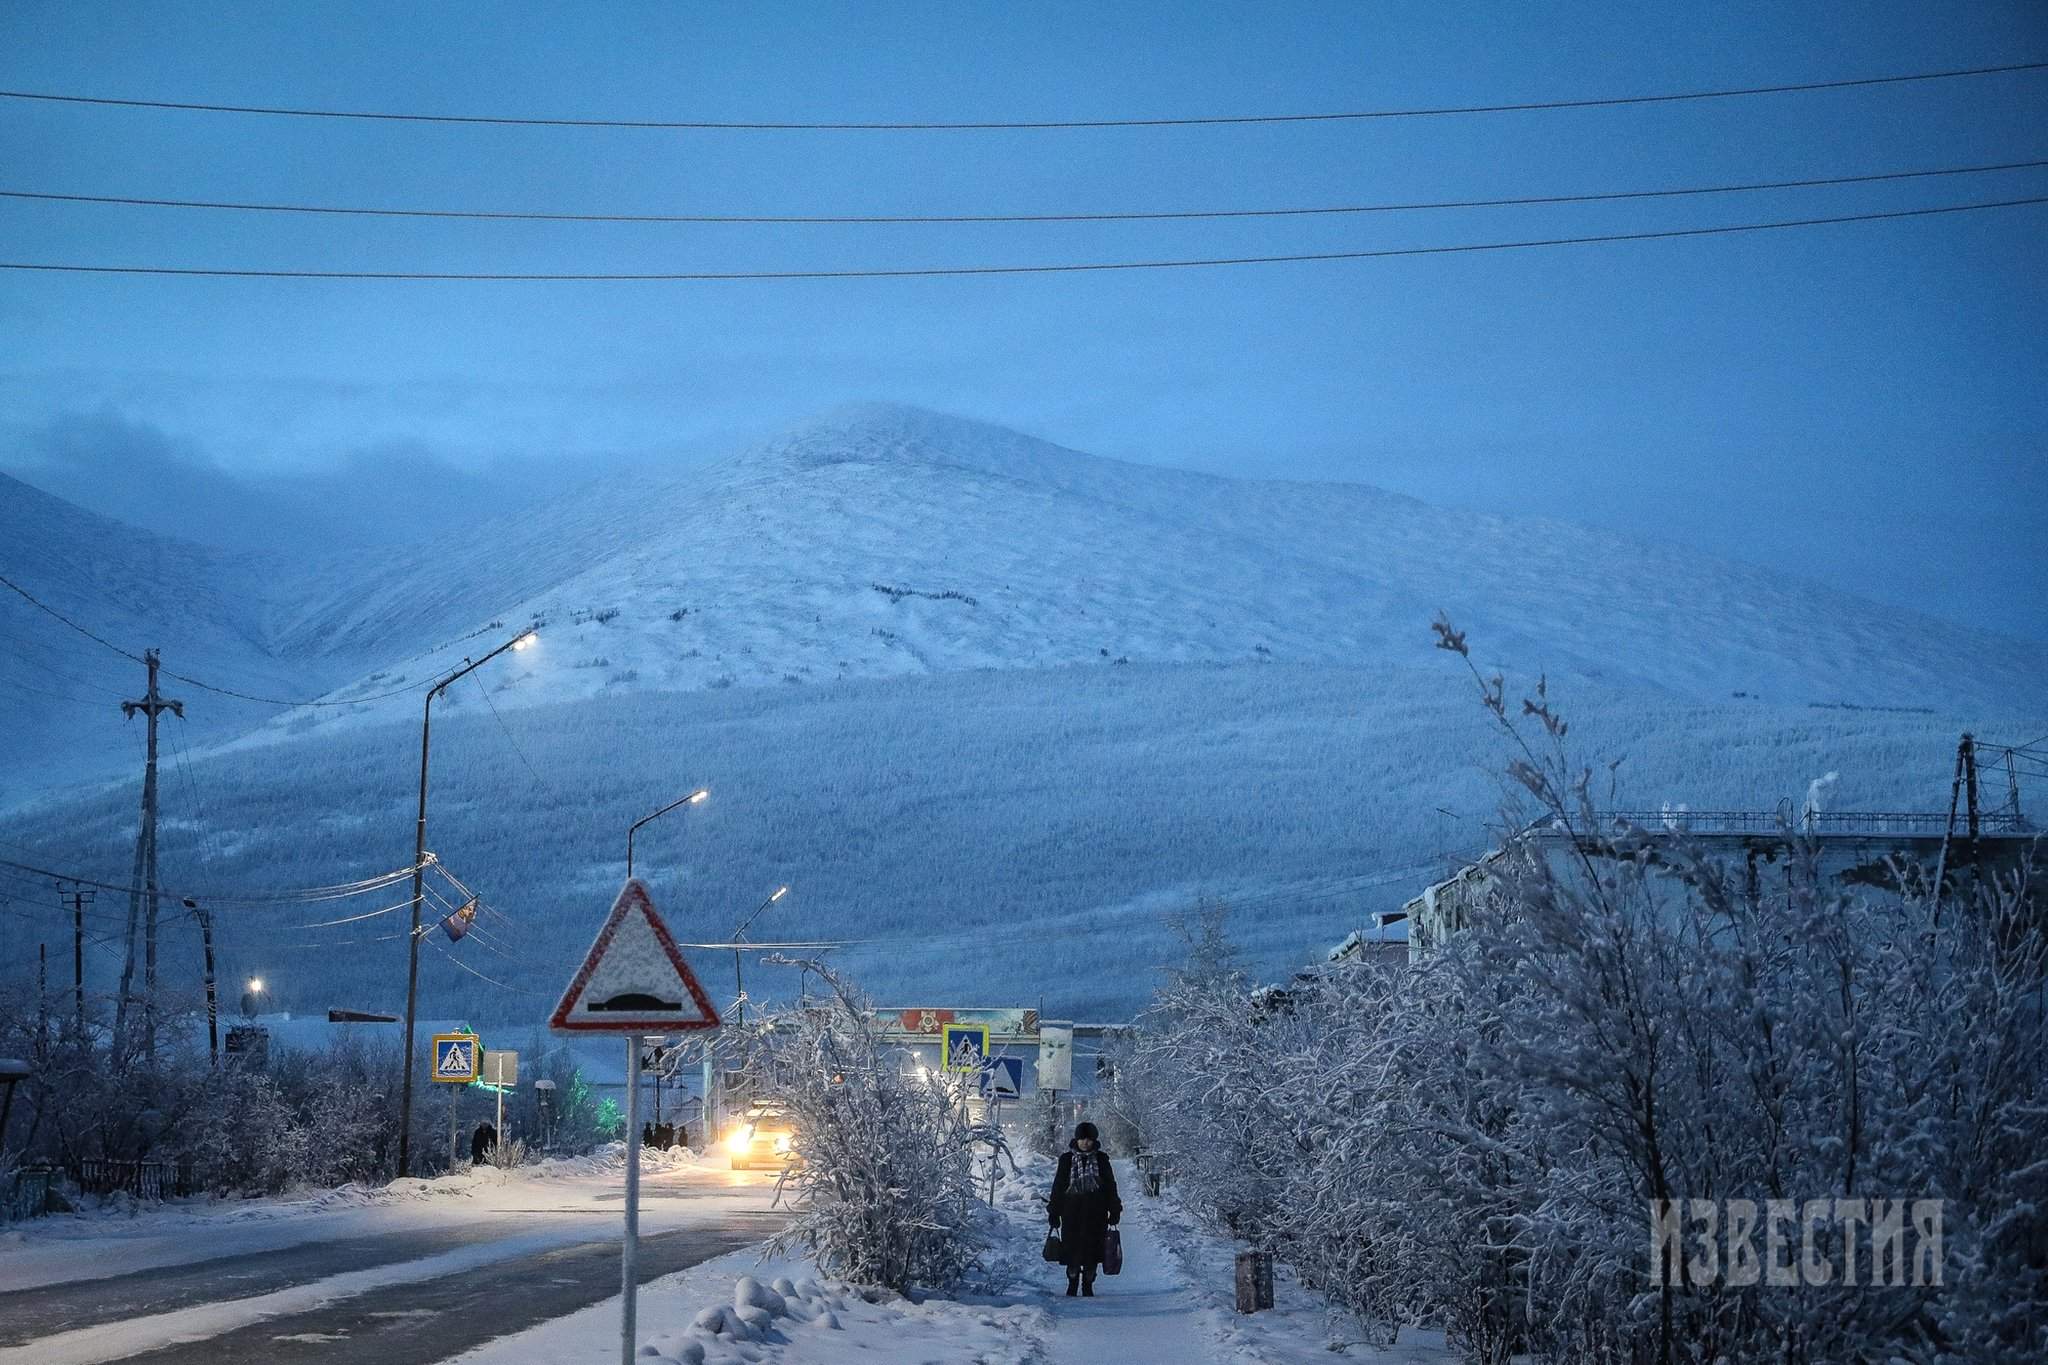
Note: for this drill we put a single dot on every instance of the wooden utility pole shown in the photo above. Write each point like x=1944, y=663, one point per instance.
x=205, y=917
x=80, y=898
x=142, y=894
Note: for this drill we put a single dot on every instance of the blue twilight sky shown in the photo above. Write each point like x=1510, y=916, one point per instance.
x=1863, y=404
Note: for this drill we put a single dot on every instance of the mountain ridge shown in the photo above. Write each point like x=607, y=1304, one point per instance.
x=880, y=540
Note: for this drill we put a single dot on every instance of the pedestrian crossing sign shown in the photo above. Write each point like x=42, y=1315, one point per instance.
x=455, y=1057
x=963, y=1047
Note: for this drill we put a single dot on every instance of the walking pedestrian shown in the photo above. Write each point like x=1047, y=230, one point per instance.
x=481, y=1143
x=1084, y=1205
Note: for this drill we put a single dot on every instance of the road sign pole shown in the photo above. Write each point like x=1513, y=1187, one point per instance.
x=454, y=1145
x=501, y=1113
x=707, y=1114
x=629, y=1249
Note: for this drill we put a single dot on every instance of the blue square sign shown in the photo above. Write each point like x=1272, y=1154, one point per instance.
x=455, y=1058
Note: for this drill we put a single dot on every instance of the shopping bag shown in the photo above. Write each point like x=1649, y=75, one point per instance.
x=1112, y=1252
x=1055, y=1250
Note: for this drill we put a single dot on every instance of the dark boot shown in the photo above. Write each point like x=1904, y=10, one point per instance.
x=1088, y=1285
x=1073, y=1283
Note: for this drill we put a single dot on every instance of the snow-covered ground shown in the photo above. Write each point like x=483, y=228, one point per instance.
x=1172, y=1305
x=119, y=1279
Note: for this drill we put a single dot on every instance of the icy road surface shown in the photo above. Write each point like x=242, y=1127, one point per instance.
x=414, y=1273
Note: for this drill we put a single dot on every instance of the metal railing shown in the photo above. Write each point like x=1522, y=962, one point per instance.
x=1835, y=822
x=143, y=1179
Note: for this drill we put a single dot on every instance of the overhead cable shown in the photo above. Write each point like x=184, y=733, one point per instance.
x=954, y=219
x=935, y=272
x=1016, y=125
x=42, y=606
x=309, y=894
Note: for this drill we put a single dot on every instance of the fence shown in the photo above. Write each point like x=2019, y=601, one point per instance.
x=1923, y=824
x=25, y=1193
x=143, y=1179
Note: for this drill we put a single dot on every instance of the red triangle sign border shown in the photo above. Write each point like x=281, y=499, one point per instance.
x=633, y=896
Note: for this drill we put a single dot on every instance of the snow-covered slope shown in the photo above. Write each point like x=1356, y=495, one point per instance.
x=986, y=838
x=60, y=692
x=880, y=541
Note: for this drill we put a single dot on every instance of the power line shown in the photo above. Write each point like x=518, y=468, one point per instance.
x=42, y=606
x=516, y=990
x=1119, y=216
x=508, y=733
x=310, y=894
x=1025, y=125
x=351, y=919
x=934, y=272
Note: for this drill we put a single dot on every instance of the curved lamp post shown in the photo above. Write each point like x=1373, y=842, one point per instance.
x=738, y=935
x=692, y=799
x=419, y=867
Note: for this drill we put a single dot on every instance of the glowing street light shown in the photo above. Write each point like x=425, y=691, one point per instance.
x=419, y=893
x=694, y=798
x=740, y=934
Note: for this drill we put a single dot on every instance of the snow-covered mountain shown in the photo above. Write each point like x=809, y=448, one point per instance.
x=881, y=541
x=991, y=704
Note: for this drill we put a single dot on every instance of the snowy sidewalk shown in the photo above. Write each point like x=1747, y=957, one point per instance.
x=1150, y=1312
x=1172, y=1305
x=1175, y=1302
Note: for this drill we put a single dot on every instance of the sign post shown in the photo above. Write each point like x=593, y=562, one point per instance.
x=633, y=982
x=629, y=1249
x=455, y=1065
x=501, y=1073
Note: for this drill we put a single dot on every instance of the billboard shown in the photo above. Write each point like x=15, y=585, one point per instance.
x=927, y=1024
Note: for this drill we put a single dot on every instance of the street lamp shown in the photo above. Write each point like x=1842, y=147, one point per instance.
x=739, y=934
x=419, y=867
x=252, y=997
x=692, y=799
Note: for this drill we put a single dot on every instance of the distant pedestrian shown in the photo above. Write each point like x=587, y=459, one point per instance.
x=482, y=1143
x=1083, y=1207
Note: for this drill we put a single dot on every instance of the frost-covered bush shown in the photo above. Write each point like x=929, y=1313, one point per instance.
x=1476, y=1141
x=506, y=1153
x=884, y=1190
x=239, y=1124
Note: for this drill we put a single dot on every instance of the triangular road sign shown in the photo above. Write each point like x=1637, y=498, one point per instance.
x=634, y=979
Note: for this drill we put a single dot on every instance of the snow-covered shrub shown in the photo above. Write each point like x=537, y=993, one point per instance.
x=1477, y=1140
x=884, y=1189
x=506, y=1153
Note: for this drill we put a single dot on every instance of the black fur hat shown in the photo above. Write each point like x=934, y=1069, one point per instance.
x=1086, y=1130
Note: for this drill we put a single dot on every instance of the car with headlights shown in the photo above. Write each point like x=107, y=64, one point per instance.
x=764, y=1139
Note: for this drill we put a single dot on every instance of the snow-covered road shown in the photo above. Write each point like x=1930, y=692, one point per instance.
x=414, y=1273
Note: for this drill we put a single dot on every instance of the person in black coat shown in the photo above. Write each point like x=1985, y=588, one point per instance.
x=1084, y=1205
x=481, y=1143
